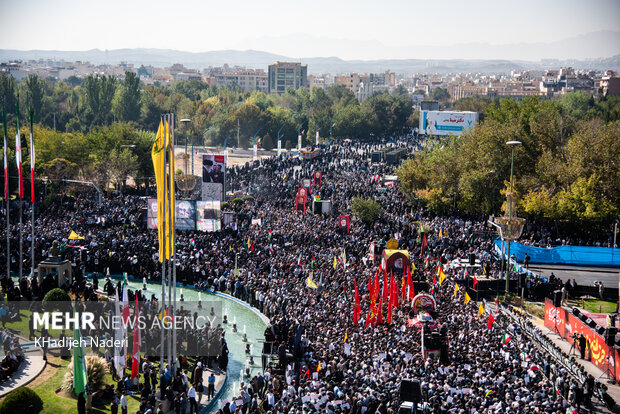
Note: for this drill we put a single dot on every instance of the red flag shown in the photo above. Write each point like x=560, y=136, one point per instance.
x=6, y=165
x=380, y=313
x=424, y=244
x=31, y=163
x=18, y=156
x=357, y=308
x=403, y=291
x=369, y=319
x=475, y=282
x=395, y=293
x=410, y=283
x=137, y=342
x=385, y=287
x=389, y=317
x=490, y=322
x=434, y=280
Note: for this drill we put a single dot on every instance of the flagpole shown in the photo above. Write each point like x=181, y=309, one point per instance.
x=6, y=197
x=172, y=242
x=21, y=234
x=169, y=241
x=32, y=195
x=163, y=271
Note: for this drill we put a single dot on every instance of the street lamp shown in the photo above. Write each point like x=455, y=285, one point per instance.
x=254, y=142
x=299, y=134
x=184, y=122
x=510, y=226
x=279, y=142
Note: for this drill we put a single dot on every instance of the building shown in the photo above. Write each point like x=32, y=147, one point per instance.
x=610, y=84
x=282, y=75
x=246, y=79
x=360, y=85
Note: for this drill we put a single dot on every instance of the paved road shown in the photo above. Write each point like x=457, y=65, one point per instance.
x=584, y=275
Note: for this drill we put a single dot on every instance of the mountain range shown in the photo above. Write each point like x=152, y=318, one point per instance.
x=604, y=43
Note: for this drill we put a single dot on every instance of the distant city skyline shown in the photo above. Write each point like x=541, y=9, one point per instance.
x=365, y=30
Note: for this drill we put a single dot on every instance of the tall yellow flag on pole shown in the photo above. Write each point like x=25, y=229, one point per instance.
x=158, y=157
x=467, y=298
x=171, y=202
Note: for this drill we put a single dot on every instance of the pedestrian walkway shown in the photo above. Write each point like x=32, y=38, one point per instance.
x=613, y=389
x=28, y=370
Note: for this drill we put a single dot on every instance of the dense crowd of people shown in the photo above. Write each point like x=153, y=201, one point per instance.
x=326, y=363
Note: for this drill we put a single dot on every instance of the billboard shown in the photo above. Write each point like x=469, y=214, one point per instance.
x=213, y=177
x=447, y=122
x=208, y=216
x=185, y=215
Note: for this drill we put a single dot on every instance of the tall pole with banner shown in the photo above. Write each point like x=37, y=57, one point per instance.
x=32, y=195
x=6, y=197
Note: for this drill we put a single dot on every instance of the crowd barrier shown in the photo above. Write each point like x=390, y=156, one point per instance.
x=570, y=255
x=563, y=322
x=545, y=344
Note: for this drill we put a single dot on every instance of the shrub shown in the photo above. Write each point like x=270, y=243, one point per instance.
x=366, y=209
x=21, y=401
x=237, y=201
x=56, y=295
x=224, y=205
x=248, y=198
x=96, y=368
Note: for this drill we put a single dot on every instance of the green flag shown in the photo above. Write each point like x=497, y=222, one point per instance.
x=80, y=377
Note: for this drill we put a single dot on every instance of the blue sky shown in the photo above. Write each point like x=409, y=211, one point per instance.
x=297, y=28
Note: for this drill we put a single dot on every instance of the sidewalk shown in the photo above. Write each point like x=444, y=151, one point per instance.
x=612, y=389
x=27, y=371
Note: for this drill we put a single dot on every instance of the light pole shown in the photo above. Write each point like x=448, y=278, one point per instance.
x=280, y=142
x=331, y=128
x=255, y=149
x=184, y=122
x=299, y=135
x=509, y=209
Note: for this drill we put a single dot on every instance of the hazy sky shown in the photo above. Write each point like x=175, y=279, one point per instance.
x=289, y=26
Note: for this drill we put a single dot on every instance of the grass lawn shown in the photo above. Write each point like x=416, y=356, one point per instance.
x=54, y=403
x=599, y=306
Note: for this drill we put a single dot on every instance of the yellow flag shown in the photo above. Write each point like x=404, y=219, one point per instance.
x=74, y=236
x=456, y=288
x=335, y=263
x=346, y=335
x=442, y=276
x=480, y=310
x=413, y=268
x=467, y=298
x=157, y=154
x=440, y=233
x=318, y=368
x=310, y=283
x=165, y=220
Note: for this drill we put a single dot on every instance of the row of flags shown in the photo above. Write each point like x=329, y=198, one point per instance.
x=18, y=157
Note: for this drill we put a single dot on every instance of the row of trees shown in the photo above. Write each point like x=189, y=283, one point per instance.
x=566, y=169
x=83, y=105
x=105, y=155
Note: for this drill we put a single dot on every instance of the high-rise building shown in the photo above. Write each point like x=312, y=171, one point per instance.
x=287, y=74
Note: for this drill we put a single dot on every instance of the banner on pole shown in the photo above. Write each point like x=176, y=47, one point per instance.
x=213, y=177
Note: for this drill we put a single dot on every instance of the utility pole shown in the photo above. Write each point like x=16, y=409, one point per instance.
x=238, y=142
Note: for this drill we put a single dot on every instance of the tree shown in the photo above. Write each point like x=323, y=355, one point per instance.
x=128, y=101
x=440, y=94
x=34, y=86
x=267, y=142
x=366, y=209
x=123, y=164
x=100, y=91
x=7, y=92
